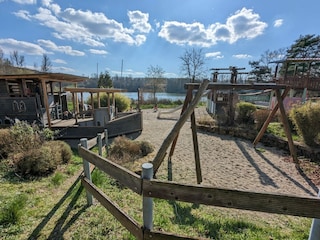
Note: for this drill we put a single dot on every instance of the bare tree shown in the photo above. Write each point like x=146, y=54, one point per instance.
x=16, y=59
x=193, y=63
x=46, y=63
x=155, y=75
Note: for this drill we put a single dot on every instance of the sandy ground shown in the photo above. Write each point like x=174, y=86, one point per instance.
x=226, y=161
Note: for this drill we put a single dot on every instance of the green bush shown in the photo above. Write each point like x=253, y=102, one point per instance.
x=122, y=102
x=11, y=212
x=245, y=112
x=306, y=119
x=25, y=137
x=38, y=162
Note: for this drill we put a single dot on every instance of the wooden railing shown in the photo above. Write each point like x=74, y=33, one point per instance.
x=151, y=188
x=312, y=83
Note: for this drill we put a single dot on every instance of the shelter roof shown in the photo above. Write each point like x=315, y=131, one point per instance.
x=48, y=77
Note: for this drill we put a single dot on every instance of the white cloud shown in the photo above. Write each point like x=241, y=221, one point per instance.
x=64, y=49
x=62, y=69
x=278, y=23
x=98, y=52
x=242, y=56
x=9, y=45
x=215, y=55
x=87, y=27
x=60, y=61
x=243, y=23
x=182, y=33
x=23, y=14
x=25, y=1
x=139, y=21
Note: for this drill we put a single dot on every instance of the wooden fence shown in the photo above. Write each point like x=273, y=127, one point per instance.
x=151, y=188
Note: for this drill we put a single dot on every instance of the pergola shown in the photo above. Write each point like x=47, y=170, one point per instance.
x=45, y=79
x=91, y=91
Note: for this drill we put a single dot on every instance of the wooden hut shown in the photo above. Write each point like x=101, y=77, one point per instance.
x=36, y=97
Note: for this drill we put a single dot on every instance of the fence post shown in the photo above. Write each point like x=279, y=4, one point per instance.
x=147, y=202
x=99, y=139
x=315, y=228
x=106, y=141
x=86, y=168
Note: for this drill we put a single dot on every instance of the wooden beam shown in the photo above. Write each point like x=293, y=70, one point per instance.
x=287, y=128
x=196, y=148
x=179, y=124
x=268, y=120
x=230, y=198
x=129, y=223
x=124, y=176
x=46, y=102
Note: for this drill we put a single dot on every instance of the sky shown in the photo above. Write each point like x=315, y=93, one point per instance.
x=126, y=37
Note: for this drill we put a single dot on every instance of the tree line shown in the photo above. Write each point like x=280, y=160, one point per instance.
x=15, y=64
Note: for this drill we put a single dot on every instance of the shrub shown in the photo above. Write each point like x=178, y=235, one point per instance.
x=11, y=212
x=63, y=150
x=306, y=119
x=5, y=139
x=260, y=116
x=124, y=150
x=38, y=162
x=122, y=102
x=25, y=137
x=146, y=148
x=245, y=112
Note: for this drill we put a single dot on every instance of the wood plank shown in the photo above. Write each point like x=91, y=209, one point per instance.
x=124, y=176
x=229, y=198
x=129, y=223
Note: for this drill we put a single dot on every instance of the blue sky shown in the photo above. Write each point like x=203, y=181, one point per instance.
x=81, y=36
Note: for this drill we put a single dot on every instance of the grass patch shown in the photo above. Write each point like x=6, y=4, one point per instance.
x=277, y=129
x=61, y=212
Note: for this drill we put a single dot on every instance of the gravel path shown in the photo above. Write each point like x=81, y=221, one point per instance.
x=226, y=161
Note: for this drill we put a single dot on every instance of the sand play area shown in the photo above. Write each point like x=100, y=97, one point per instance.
x=226, y=162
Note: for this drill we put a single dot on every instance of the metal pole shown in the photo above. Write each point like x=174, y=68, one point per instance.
x=147, y=202
x=315, y=228
x=86, y=168
x=99, y=138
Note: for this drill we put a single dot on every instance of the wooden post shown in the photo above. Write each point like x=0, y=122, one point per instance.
x=174, y=132
x=196, y=148
x=99, y=139
x=287, y=128
x=45, y=99
x=271, y=115
x=86, y=168
x=315, y=228
x=106, y=141
x=147, y=202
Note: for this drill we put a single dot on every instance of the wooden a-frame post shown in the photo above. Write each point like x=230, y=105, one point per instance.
x=179, y=124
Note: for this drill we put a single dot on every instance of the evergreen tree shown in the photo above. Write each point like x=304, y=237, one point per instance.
x=104, y=80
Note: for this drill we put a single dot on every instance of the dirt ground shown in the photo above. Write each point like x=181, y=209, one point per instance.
x=226, y=161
